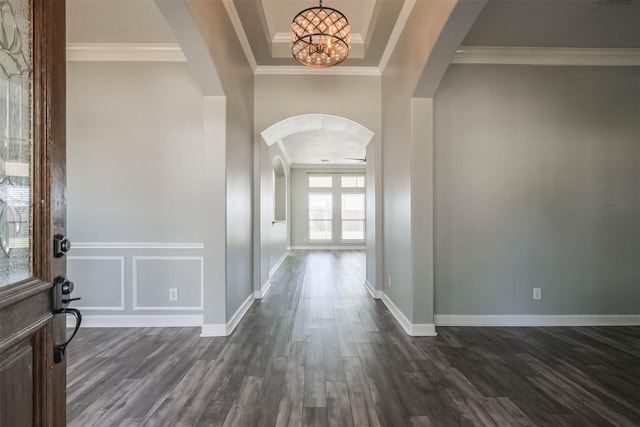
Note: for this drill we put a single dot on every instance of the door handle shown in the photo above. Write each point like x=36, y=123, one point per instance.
x=62, y=289
x=59, y=349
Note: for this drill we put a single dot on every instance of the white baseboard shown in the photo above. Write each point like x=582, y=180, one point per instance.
x=223, y=330
x=137, y=321
x=329, y=248
x=413, y=329
x=265, y=290
x=537, y=320
x=214, y=330
x=369, y=287
x=278, y=264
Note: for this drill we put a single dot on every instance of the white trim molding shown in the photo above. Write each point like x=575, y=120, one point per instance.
x=278, y=264
x=264, y=291
x=537, y=320
x=222, y=330
x=136, y=245
x=135, y=261
x=369, y=287
x=137, y=321
x=122, y=281
x=547, y=56
x=125, y=52
x=412, y=329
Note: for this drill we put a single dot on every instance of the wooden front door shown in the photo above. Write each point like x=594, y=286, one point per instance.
x=32, y=211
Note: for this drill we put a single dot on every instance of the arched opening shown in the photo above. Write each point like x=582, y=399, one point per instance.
x=313, y=158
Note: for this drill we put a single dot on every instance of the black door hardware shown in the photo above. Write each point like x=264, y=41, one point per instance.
x=62, y=289
x=61, y=245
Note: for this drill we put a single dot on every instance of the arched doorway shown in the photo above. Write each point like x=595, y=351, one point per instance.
x=327, y=145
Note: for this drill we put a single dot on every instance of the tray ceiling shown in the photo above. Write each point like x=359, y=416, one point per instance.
x=267, y=24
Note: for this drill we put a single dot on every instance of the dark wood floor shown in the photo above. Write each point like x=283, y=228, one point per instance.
x=319, y=351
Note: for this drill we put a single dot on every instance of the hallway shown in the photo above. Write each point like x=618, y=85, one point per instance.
x=318, y=350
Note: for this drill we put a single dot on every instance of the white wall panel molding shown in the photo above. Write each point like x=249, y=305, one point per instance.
x=136, y=245
x=125, y=52
x=413, y=329
x=538, y=320
x=137, y=259
x=546, y=56
x=118, y=259
x=222, y=330
x=137, y=321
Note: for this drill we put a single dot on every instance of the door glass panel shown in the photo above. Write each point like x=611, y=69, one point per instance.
x=15, y=140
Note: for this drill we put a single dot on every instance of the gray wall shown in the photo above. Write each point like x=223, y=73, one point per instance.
x=135, y=174
x=399, y=83
x=237, y=81
x=299, y=206
x=537, y=174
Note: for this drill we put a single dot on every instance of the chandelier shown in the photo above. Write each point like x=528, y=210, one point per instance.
x=320, y=37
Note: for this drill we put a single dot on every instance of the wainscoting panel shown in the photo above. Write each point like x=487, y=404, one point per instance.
x=127, y=283
x=154, y=276
x=99, y=281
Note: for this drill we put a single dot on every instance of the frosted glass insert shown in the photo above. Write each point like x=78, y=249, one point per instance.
x=15, y=140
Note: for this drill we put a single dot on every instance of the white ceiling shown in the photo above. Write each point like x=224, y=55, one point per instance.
x=316, y=139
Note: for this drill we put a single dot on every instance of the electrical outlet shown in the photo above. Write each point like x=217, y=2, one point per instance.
x=389, y=281
x=537, y=293
x=173, y=294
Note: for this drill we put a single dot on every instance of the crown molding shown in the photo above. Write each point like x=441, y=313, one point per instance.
x=129, y=52
x=403, y=17
x=547, y=56
x=267, y=70
x=242, y=36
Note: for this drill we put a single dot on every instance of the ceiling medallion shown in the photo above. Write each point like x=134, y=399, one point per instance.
x=320, y=37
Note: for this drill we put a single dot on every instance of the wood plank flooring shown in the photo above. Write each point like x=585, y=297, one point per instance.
x=318, y=351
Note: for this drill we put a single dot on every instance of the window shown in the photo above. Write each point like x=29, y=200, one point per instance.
x=352, y=181
x=320, y=181
x=320, y=216
x=352, y=216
